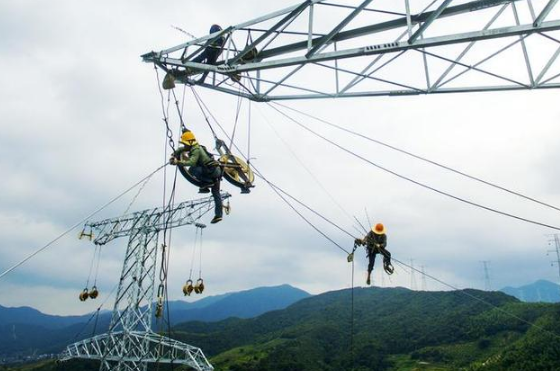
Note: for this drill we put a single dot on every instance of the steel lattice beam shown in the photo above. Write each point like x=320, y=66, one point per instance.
x=362, y=54
x=142, y=348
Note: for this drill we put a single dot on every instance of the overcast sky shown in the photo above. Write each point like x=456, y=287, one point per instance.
x=81, y=121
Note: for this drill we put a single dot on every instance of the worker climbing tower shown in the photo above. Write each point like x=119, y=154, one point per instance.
x=130, y=343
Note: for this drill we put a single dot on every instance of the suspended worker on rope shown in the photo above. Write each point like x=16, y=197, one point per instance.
x=375, y=243
x=202, y=166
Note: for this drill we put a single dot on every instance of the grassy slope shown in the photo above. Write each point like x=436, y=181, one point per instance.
x=395, y=330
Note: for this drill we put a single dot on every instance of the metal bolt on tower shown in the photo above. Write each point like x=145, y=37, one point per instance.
x=130, y=343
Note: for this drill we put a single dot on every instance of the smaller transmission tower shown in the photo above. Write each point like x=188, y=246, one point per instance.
x=424, y=283
x=130, y=344
x=556, y=239
x=487, y=283
x=412, y=276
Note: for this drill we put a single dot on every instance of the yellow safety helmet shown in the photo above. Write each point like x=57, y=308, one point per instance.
x=379, y=229
x=188, y=138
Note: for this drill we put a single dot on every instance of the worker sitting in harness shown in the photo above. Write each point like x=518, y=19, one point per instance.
x=203, y=167
x=211, y=52
x=375, y=243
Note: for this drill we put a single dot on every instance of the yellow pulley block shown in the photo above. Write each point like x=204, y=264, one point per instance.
x=199, y=287
x=188, y=288
x=94, y=293
x=84, y=295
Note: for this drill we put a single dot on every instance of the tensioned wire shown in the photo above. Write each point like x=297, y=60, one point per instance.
x=275, y=188
x=421, y=158
x=298, y=123
x=82, y=221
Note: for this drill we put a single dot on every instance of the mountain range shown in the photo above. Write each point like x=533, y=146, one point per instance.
x=25, y=331
x=381, y=329
x=540, y=291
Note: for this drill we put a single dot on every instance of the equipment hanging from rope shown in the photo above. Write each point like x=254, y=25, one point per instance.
x=94, y=292
x=198, y=288
x=188, y=287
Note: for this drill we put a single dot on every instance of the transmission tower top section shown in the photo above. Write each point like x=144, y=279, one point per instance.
x=330, y=49
x=148, y=221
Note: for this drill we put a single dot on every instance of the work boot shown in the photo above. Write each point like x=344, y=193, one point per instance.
x=204, y=190
x=216, y=219
x=368, y=280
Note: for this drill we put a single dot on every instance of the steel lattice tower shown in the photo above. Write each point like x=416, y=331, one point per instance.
x=130, y=343
x=556, y=240
x=326, y=49
x=487, y=284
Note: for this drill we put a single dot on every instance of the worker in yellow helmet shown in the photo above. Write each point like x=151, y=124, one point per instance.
x=375, y=243
x=202, y=166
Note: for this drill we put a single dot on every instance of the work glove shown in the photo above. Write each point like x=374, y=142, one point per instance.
x=173, y=161
x=357, y=241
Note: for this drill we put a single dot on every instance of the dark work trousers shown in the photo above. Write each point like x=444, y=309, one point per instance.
x=209, y=56
x=210, y=175
x=371, y=253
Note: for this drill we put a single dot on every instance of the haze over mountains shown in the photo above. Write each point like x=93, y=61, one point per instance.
x=25, y=330
x=540, y=291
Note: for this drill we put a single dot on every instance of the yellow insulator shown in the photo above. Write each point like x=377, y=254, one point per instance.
x=199, y=287
x=94, y=293
x=188, y=288
x=84, y=295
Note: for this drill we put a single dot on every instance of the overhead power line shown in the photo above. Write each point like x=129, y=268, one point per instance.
x=80, y=222
x=410, y=179
x=421, y=158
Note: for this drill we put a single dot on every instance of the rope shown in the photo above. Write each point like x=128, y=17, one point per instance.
x=164, y=111
x=179, y=113
x=420, y=157
x=83, y=220
x=306, y=167
x=200, y=256
x=194, y=252
x=276, y=189
x=414, y=181
x=239, y=102
x=352, y=321
x=91, y=266
x=97, y=265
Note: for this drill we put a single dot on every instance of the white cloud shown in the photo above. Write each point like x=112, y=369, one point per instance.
x=81, y=121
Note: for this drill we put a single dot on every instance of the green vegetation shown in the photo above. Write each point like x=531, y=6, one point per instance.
x=394, y=330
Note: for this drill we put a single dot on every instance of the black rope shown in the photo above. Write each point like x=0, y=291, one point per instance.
x=310, y=209
x=201, y=104
x=169, y=133
x=239, y=102
x=419, y=157
x=412, y=180
x=352, y=321
x=276, y=190
x=179, y=113
x=306, y=168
